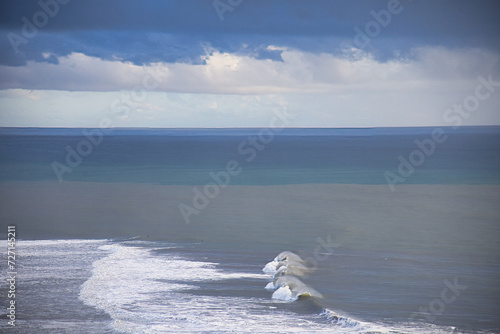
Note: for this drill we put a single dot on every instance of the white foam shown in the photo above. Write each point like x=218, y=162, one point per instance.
x=350, y=325
x=270, y=268
x=145, y=293
x=81, y=253
x=286, y=268
x=55, y=247
x=113, y=274
x=61, y=242
x=285, y=294
x=343, y=320
x=270, y=286
x=296, y=287
x=286, y=263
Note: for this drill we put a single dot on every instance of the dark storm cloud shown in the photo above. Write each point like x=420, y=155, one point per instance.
x=180, y=31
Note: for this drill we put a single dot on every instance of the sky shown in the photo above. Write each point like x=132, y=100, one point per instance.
x=235, y=63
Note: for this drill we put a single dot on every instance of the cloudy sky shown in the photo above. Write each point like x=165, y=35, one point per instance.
x=232, y=63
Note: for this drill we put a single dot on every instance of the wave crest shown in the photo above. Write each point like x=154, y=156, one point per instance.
x=286, y=269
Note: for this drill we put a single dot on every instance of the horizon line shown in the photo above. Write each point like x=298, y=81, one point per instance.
x=249, y=127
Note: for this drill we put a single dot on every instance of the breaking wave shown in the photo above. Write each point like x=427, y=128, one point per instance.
x=148, y=287
x=286, y=271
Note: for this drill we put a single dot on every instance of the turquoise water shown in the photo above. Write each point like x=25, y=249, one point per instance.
x=468, y=155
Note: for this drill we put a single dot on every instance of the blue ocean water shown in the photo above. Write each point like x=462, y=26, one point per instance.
x=468, y=155
x=308, y=236
x=137, y=286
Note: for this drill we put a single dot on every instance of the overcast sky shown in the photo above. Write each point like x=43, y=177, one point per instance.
x=232, y=63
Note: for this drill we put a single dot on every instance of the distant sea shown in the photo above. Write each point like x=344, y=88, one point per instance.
x=370, y=230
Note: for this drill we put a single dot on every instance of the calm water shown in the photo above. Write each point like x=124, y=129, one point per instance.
x=342, y=252
x=468, y=155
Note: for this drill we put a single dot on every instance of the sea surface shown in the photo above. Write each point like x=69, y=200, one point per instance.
x=384, y=230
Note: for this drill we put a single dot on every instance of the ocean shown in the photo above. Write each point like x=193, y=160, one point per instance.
x=373, y=230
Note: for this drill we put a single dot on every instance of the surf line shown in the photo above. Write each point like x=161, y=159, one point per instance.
x=248, y=148
x=286, y=269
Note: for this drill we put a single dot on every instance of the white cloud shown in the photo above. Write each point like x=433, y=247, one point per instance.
x=225, y=73
x=232, y=90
